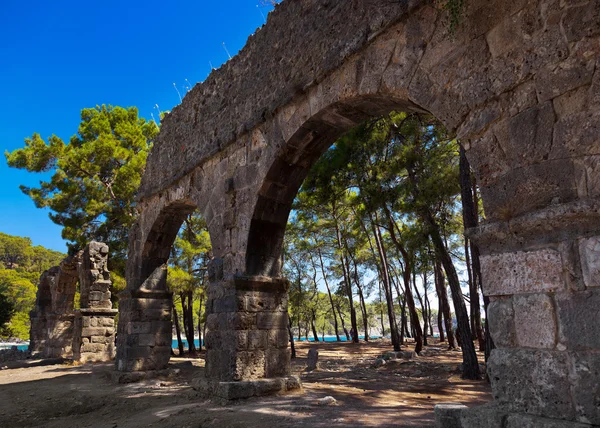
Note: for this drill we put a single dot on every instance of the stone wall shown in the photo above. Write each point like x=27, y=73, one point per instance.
x=51, y=332
x=519, y=83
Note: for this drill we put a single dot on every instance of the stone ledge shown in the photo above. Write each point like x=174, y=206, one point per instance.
x=245, y=389
x=552, y=224
x=132, y=377
x=97, y=311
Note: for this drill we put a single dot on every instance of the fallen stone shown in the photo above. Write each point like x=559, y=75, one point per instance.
x=379, y=362
x=313, y=359
x=327, y=401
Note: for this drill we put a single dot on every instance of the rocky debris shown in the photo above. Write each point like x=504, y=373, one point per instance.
x=393, y=356
x=327, y=401
x=379, y=362
x=13, y=354
x=313, y=359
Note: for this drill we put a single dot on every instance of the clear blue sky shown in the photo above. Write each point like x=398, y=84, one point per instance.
x=57, y=57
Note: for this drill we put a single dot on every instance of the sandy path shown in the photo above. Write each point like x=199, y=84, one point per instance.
x=397, y=394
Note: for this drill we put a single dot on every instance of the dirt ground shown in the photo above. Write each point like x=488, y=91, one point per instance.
x=401, y=393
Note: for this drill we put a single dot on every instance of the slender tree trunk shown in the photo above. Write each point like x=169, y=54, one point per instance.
x=470, y=363
x=177, y=330
x=406, y=275
x=423, y=312
x=347, y=283
x=312, y=324
x=339, y=310
x=189, y=318
x=381, y=311
x=335, y=321
x=386, y=285
x=200, y=323
x=363, y=306
x=470, y=220
x=444, y=304
x=292, y=345
x=402, y=304
x=440, y=323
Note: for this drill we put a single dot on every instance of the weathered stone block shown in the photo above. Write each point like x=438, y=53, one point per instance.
x=448, y=415
x=589, y=251
x=582, y=21
x=578, y=315
x=531, y=381
x=249, y=365
x=527, y=421
x=93, y=331
x=271, y=320
x=137, y=328
x=535, y=322
x=146, y=340
x=241, y=320
x=257, y=339
x=277, y=362
x=487, y=416
x=278, y=338
x=584, y=375
x=522, y=272
x=502, y=323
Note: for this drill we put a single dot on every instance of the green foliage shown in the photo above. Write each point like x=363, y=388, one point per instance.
x=455, y=10
x=6, y=312
x=95, y=176
x=22, y=265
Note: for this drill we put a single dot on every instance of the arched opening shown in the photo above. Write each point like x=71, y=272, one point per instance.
x=276, y=200
x=159, y=242
x=290, y=168
x=168, y=299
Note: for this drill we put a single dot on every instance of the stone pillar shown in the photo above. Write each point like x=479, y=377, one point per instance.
x=144, y=333
x=247, y=339
x=542, y=274
x=52, y=318
x=94, y=337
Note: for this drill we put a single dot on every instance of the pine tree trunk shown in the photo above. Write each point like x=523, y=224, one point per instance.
x=470, y=363
x=177, y=330
x=339, y=310
x=363, y=306
x=292, y=345
x=386, y=285
x=347, y=283
x=189, y=319
x=444, y=304
x=406, y=275
x=313, y=326
x=440, y=323
x=423, y=312
x=470, y=220
x=335, y=321
x=200, y=323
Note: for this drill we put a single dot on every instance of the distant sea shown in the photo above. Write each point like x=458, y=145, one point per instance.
x=24, y=346
x=20, y=346
x=310, y=339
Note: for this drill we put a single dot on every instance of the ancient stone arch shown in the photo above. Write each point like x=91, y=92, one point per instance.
x=518, y=82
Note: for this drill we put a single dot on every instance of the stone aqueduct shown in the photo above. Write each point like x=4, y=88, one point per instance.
x=519, y=83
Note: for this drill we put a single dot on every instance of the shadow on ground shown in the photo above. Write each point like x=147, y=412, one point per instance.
x=401, y=393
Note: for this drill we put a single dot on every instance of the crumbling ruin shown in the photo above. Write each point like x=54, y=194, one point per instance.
x=519, y=83
x=59, y=331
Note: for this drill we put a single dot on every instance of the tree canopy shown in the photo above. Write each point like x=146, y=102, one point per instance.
x=94, y=176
